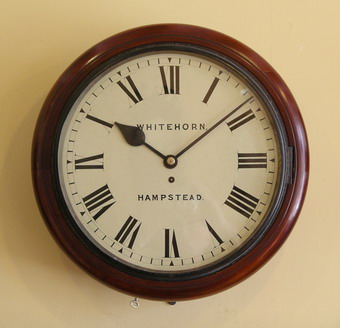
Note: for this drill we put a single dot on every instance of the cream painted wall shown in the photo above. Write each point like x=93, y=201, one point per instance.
x=41, y=287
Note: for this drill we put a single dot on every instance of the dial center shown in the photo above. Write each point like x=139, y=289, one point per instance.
x=170, y=161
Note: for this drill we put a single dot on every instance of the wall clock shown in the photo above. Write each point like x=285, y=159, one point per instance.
x=170, y=161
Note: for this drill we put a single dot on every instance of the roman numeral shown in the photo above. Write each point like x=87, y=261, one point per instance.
x=133, y=93
x=97, y=120
x=91, y=162
x=173, y=86
x=242, y=202
x=240, y=120
x=171, y=248
x=128, y=232
x=99, y=201
x=211, y=90
x=252, y=160
x=214, y=233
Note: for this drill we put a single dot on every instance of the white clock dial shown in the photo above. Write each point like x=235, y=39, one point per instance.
x=202, y=174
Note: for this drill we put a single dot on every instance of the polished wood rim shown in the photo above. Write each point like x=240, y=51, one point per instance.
x=43, y=170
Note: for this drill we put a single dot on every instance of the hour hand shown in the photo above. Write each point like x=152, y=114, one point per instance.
x=135, y=136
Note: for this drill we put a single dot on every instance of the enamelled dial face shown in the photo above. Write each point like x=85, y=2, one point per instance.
x=171, y=161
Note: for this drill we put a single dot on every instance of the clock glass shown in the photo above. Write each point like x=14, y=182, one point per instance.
x=171, y=160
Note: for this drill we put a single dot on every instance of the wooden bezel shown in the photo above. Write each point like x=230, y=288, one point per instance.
x=44, y=179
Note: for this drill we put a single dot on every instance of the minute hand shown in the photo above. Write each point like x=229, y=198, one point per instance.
x=213, y=127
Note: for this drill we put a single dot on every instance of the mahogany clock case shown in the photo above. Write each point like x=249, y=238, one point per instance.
x=294, y=151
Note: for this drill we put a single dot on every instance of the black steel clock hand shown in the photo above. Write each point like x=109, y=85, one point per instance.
x=213, y=127
x=135, y=136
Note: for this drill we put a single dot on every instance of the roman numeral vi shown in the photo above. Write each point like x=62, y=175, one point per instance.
x=171, y=248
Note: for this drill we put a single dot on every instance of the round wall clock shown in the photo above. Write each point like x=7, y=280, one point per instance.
x=170, y=161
